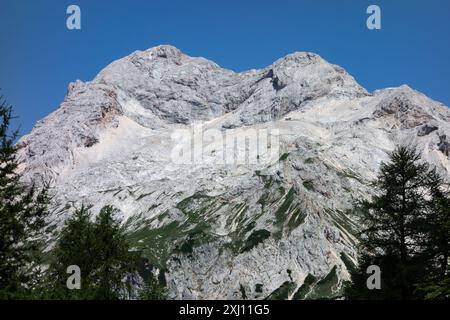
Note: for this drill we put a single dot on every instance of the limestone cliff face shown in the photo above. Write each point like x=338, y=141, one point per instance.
x=281, y=225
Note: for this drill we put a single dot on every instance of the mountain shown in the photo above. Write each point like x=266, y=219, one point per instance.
x=234, y=185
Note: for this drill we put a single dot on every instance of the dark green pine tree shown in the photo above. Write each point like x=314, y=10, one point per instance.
x=114, y=259
x=74, y=247
x=436, y=239
x=23, y=211
x=102, y=253
x=394, y=237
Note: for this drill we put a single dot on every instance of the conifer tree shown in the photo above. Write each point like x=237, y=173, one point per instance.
x=74, y=247
x=437, y=228
x=114, y=258
x=394, y=237
x=100, y=249
x=23, y=211
x=436, y=239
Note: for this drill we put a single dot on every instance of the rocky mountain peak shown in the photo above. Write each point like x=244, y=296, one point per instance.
x=215, y=229
x=165, y=51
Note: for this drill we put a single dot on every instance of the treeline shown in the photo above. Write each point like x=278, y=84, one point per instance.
x=96, y=249
x=406, y=232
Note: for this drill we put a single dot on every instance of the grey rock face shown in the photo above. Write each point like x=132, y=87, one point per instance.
x=221, y=230
x=444, y=145
x=426, y=129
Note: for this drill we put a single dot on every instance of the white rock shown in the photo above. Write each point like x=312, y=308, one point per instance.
x=110, y=143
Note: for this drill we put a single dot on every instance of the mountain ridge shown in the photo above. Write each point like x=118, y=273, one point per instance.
x=220, y=229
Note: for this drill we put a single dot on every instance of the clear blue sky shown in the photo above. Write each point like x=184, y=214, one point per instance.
x=39, y=56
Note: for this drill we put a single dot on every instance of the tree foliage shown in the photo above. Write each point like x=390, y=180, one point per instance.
x=23, y=212
x=406, y=229
x=100, y=249
x=152, y=290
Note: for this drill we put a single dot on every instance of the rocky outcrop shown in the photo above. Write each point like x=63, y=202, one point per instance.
x=444, y=145
x=426, y=129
